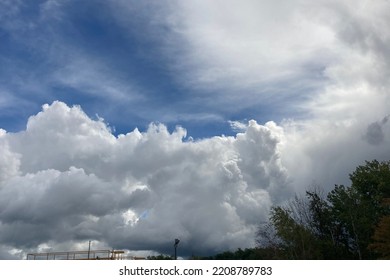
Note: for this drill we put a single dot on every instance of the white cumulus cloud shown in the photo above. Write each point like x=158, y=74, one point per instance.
x=67, y=178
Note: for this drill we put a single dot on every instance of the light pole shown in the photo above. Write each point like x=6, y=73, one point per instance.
x=175, y=245
x=89, y=248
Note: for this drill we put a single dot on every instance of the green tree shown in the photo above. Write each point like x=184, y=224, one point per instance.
x=348, y=213
x=372, y=180
x=349, y=223
x=358, y=209
x=297, y=239
x=330, y=239
x=290, y=233
x=159, y=257
x=246, y=254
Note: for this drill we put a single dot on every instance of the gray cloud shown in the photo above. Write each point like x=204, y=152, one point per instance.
x=374, y=134
x=6, y=253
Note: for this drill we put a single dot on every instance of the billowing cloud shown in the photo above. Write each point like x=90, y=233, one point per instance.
x=68, y=178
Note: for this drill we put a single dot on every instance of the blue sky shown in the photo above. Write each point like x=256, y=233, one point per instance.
x=188, y=119
x=127, y=62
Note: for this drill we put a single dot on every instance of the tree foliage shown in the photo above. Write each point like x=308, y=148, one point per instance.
x=246, y=254
x=349, y=223
x=159, y=257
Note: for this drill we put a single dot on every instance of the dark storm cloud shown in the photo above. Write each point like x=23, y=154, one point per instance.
x=374, y=134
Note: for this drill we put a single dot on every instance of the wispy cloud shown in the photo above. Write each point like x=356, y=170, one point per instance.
x=244, y=50
x=238, y=126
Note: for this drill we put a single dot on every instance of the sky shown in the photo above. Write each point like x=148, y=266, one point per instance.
x=132, y=123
